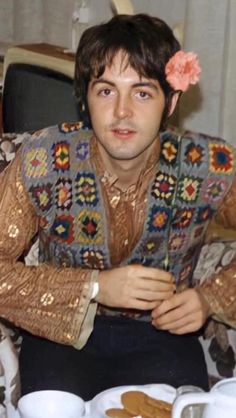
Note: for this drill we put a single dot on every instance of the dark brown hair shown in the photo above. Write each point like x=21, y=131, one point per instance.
x=147, y=42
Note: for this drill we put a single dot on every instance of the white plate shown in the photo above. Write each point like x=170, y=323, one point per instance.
x=111, y=398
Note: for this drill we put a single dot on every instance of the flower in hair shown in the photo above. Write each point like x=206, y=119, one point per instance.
x=182, y=70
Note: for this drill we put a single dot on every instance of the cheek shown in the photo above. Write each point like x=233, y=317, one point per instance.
x=153, y=116
x=99, y=118
x=152, y=122
x=93, y=110
x=98, y=107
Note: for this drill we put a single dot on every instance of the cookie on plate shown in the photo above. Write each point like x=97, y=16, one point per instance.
x=118, y=413
x=132, y=400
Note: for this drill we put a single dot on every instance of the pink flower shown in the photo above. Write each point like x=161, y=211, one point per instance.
x=182, y=69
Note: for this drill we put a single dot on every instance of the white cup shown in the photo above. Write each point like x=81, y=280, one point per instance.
x=190, y=411
x=220, y=401
x=51, y=404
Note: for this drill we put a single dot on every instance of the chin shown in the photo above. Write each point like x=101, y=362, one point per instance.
x=124, y=156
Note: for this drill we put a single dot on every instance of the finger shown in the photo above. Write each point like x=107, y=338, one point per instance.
x=168, y=305
x=151, y=296
x=175, y=323
x=142, y=304
x=155, y=274
x=192, y=327
x=182, y=311
x=155, y=285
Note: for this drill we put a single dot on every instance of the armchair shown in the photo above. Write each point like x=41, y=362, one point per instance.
x=9, y=373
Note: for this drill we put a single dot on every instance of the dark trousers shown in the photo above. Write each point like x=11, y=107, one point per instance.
x=120, y=351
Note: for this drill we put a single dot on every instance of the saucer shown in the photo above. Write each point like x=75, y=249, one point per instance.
x=111, y=398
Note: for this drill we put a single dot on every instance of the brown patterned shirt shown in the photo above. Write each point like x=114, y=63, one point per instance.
x=55, y=303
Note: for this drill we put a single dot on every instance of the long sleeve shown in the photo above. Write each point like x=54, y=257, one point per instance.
x=220, y=289
x=47, y=301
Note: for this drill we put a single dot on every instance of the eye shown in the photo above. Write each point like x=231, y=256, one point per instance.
x=144, y=95
x=105, y=92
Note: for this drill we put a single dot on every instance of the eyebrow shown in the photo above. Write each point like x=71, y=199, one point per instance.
x=135, y=85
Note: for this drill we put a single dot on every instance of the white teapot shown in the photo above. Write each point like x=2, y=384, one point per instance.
x=220, y=401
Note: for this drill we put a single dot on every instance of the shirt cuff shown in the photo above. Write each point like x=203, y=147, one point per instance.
x=88, y=323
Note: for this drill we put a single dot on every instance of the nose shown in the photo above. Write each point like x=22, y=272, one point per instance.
x=123, y=107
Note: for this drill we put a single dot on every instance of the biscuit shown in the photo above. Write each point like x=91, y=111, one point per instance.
x=152, y=408
x=159, y=404
x=147, y=410
x=137, y=403
x=162, y=413
x=131, y=401
x=118, y=413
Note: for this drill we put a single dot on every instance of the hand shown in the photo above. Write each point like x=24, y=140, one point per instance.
x=134, y=286
x=183, y=313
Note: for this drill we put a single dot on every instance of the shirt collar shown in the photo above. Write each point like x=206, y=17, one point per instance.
x=109, y=179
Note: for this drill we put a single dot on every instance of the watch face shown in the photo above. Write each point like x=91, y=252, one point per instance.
x=95, y=290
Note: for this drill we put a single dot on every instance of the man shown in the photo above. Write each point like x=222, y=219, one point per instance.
x=121, y=212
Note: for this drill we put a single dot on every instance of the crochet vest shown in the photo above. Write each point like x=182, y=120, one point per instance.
x=192, y=176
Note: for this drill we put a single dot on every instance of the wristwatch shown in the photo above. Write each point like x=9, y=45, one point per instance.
x=95, y=290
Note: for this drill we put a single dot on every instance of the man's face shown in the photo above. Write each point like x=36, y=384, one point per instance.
x=125, y=111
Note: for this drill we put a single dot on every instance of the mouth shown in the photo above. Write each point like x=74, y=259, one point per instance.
x=123, y=133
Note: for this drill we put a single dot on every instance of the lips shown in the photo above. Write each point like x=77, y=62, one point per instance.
x=123, y=133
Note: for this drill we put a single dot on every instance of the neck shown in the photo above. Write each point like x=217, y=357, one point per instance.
x=127, y=171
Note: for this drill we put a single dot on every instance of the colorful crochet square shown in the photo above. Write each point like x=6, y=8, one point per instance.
x=198, y=232
x=158, y=219
x=64, y=256
x=63, y=229
x=93, y=259
x=63, y=193
x=213, y=189
x=185, y=272
x=203, y=214
x=188, y=189
x=164, y=187
x=42, y=195
x=86, y=190
x=221, y=158
x=36, y=162
x=70, y=127
x=169, y=151
x=191, y=252
x=151, y=245
x=82, y=150
x=182, y=218
x=89, y=228
x=194, y=154
x=177, y=241
x=61, y=156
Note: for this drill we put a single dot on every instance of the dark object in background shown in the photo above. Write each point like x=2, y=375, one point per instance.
x=35, y=97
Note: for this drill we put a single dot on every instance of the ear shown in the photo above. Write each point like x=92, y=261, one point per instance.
x=173, y=103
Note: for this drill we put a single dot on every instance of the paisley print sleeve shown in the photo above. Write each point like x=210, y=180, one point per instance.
x=53, y=303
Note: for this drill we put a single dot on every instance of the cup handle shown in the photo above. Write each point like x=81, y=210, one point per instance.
x=189, y=399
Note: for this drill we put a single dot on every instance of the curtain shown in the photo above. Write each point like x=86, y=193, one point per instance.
x=210, y=30
x=29, y=21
